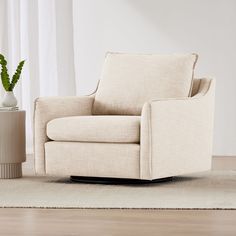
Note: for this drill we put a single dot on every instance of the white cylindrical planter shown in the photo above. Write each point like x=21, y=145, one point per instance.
x=12, y=143
x=9, y=99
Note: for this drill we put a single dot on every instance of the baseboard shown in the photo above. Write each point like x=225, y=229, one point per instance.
x=224, y=156
x=224, y=162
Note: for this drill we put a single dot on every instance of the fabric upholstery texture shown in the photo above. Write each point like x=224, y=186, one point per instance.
x=175, y=138
x=49, y=108
x=130, y=80
x=92, y=159
x=176, y=134
x=111, y=129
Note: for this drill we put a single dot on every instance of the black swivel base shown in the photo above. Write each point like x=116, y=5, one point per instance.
x=101, y=180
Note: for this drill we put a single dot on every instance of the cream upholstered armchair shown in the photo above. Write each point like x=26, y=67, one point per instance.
x=147, y=120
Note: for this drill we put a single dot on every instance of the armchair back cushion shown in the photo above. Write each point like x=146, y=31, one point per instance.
x=130, y=80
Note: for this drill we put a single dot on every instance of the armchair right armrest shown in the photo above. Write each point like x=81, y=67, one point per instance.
x=176, y=134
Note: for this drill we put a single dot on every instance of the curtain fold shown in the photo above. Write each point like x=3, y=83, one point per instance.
x=41, y=32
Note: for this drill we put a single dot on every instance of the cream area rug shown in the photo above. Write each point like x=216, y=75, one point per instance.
x=208, y=190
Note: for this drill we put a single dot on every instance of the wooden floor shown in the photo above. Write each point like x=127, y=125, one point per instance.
x=16, y=221
x=117, y=222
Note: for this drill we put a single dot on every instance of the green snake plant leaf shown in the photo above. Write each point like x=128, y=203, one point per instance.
x=16, y=76
x=4, y=73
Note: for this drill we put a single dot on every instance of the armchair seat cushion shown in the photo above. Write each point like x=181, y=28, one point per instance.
x=109, y=129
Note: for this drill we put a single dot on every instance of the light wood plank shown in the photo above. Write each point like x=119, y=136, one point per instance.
x=116, y=222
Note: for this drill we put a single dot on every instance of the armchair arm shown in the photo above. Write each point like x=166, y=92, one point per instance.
x=176, y=134
x=48, y=108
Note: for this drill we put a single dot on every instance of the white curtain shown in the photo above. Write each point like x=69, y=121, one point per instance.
x=41, y=32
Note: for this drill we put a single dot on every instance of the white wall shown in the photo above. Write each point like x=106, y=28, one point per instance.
x=207, y=27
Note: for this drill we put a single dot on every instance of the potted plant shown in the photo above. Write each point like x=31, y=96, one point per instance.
x=9, y=99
